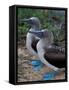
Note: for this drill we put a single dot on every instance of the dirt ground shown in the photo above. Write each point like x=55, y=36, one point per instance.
x=25, y=71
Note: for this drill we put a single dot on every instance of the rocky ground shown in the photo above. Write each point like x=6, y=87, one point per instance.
x=25, y=71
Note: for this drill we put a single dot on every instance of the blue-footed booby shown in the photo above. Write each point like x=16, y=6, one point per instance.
x=32, y=40
x=48, y=53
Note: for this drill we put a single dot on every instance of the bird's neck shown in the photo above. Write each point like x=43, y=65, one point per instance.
x=35, y=29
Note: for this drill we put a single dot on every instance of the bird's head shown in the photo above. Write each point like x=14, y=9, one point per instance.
x=34, y=22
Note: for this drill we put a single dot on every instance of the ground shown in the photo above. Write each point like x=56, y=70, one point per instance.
x=25, y=71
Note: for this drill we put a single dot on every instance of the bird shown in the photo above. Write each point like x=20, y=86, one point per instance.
x=58, y=23
x=48, y=53
x=32, y=40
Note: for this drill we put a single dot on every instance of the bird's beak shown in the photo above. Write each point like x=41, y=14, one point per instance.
x=23, y=20
x=37, y=33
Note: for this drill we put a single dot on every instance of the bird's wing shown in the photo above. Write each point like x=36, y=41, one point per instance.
x=34, y=43
x=54, y=53
x=55, y=57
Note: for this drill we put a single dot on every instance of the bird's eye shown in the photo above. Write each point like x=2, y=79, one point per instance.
x=31, y=21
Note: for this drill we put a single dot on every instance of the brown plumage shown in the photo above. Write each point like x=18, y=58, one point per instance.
x=55, y=57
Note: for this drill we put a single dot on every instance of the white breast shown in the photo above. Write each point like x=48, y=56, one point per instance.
x=41, y=51
x=29, y=40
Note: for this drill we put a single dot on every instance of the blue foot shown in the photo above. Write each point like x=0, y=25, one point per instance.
x=50, y=75
x=37, y=65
